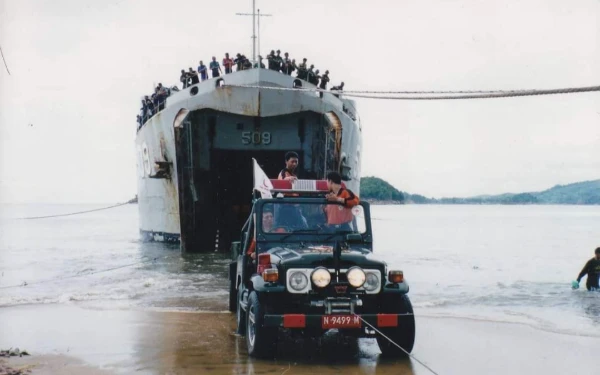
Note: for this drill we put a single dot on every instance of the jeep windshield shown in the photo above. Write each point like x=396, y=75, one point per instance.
x=311, y=218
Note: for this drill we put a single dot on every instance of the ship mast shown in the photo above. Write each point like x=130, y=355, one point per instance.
x=255, y=19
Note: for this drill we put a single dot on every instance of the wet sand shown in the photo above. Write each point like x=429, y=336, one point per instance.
x=67, y=339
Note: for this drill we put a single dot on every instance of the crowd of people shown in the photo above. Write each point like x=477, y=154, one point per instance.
x=154, y=103
x=276, y=62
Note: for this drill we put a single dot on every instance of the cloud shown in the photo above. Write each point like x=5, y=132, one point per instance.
x=79, y=68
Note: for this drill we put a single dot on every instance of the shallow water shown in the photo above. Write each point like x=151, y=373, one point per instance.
x=494, y=263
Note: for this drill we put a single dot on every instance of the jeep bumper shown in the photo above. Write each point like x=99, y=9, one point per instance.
x=324, y=321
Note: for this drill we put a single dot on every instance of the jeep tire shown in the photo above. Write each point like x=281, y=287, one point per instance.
x=232, y=287
x=404, y=334
x=261, y=341
x=240, y=316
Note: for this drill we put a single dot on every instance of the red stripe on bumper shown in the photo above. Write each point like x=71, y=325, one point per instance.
x=387, y=320
x=294, y=321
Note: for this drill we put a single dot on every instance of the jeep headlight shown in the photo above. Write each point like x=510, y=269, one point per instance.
x=321, y=277
x=371, y=282
x=356, y=277
x=298, y=281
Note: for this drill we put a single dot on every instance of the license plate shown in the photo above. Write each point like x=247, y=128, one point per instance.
x=340, y=321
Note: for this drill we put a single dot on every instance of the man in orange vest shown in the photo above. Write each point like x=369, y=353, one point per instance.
x=339, y=217
x=291, y=163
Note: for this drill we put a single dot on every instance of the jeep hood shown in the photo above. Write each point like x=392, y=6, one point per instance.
x=322, y=255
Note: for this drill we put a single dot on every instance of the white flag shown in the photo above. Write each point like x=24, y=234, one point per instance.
x=262, y=183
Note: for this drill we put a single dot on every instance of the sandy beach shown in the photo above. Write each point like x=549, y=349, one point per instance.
x=67, y=339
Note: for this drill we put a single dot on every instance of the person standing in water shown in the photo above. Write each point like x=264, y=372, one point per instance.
x=592, y=270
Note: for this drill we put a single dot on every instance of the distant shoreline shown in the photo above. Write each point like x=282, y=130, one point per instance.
x=585, y=193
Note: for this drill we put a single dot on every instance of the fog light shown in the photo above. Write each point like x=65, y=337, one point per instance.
x=321, y=277
x=396, y=276
x=356, y=277
x=270, y=275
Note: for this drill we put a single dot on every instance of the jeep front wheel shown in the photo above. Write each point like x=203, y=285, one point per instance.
x=240, y=316
x=404, y=333
x=233, y=287
x=261, y=341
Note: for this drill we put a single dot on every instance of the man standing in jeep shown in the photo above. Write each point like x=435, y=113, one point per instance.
x=291, y=163
x=339, y=217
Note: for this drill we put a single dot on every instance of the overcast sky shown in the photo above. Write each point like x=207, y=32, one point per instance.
x=79, y=67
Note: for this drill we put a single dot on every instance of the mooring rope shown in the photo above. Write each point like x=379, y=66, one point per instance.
x=24, y=284
x=425, y=95
x=72, y=213
x=399, y=347
x=3, y=59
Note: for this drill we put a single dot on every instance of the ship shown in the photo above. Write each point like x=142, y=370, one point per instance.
x=194, y=156
x=195, y=153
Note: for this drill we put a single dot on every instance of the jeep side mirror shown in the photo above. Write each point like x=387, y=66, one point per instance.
x=354, y=237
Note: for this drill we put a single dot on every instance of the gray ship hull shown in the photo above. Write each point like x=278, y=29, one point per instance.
x=194, y=156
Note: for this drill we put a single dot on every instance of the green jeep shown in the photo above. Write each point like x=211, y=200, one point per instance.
x=293, y=271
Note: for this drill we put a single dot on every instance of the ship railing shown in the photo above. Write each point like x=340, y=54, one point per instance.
x=146, y=113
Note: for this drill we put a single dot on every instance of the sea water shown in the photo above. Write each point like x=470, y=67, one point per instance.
x=493, y=263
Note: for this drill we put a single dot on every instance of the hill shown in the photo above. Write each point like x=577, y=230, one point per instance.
x=586, y=192
x=375, y=189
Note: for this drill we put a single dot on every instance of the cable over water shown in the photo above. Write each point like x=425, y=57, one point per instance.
x=3, y=59
x=427, y=95
x=399, y=347
x=72, y=213
x=24, y=284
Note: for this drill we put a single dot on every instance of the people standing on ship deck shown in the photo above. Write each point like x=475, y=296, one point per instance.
x=228, y=64
x=238, y=62
x=161, y=96
x=302, y=70
x=291, y=163
x=292, y=68
x=259, y=63
x=242, y=62
x=193, y=77
x=324, y=81
x=154, y=98
x=203, y=71
x=215, y=67
x=316, y=78
x=278, y=61
x=184, y=78
x=286, y=64
x=338, y=88
x=271, y=61
x=310, y=74
x=146, y=113
x=149, y=107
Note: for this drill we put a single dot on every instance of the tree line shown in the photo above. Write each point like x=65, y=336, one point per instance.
x=375, y=189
